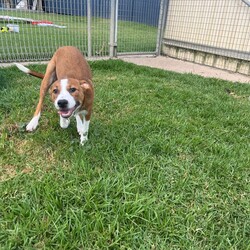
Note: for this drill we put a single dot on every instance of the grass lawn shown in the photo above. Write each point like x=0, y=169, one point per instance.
x=35, y=43
x=166, y=165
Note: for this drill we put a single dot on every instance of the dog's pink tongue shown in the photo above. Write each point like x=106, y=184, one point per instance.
x=60, y=112
x=65, y=113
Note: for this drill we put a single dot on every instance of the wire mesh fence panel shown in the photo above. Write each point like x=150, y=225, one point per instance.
x=32, y=30
x=39, y=33
x=208, y=31
x=137, y=26
x=100, y=27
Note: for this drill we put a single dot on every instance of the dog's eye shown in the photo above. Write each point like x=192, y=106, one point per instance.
x=72, y=90
x=55, y=91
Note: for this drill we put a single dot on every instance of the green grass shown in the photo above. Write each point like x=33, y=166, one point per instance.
x=34, y=43
x=166, y=165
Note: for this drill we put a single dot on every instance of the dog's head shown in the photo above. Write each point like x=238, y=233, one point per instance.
x=68, y=95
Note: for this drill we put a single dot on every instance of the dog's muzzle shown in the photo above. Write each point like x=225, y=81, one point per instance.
x=64, y=111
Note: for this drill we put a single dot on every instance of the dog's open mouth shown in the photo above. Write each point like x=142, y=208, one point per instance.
x=67, y=113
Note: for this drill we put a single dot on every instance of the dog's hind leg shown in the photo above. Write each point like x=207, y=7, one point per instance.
x=48, y=79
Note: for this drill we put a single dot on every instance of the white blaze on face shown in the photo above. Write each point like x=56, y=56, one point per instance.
x=65, y=95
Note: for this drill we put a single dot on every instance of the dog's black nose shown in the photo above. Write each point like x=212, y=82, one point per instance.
x=62, y=103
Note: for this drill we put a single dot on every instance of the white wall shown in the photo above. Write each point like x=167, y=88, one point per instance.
x=219, y=24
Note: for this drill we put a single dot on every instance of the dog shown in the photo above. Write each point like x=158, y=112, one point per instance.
x=69, y=80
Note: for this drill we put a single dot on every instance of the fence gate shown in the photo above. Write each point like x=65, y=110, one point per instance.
x=138, y=25
x=117, y=27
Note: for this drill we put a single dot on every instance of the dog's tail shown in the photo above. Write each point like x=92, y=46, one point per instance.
x=29, y=72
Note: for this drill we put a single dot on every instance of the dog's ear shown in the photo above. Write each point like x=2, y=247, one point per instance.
x=84, y=84
x=87, y=88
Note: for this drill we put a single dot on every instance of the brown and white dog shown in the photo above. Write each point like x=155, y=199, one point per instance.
x=69, y=78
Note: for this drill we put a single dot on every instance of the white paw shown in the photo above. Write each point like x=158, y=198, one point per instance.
x=83, y=139
x=64, y=123
x=33, y=123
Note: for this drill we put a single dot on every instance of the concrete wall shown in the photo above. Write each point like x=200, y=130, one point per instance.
x=211, y=32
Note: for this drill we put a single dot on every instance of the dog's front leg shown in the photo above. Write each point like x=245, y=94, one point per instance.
x=64, y=123
x=46, y=82
x=82, y=128
x=32, y=125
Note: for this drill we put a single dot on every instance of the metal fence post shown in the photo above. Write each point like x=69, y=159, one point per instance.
x=89, y=27
x=113, y=28
x=161, y=25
